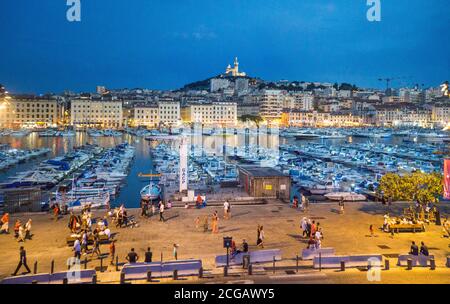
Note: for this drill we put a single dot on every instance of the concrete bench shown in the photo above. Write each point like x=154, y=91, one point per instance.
x=417, y=260
x=139, y=271
x=74, y=277
x=260, y=256
x=350, y=260
x=43, y=278
x=310, y=254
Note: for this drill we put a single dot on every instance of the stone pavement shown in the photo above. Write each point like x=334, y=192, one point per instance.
x=347, y=233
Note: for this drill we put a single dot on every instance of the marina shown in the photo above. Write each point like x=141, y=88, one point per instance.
x=96, y=165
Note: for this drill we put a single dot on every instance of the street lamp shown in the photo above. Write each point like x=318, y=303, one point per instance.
x=227, y=240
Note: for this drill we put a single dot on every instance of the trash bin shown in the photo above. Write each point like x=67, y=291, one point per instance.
x=246, y=261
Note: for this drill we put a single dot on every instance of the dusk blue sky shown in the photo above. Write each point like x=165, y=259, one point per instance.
x=166, y=44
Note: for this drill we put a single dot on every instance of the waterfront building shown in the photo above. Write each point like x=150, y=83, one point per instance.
x=210, y=113
x=96, y=113
x=402, y=114
x=146, y=116
x=300, y=118
x=441, y=114
x=28, y=112
x=169, y=112
x=251, y=109
x=271, y=104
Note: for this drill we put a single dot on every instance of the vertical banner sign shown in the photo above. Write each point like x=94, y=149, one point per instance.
x=447, y=178
x=183, y=165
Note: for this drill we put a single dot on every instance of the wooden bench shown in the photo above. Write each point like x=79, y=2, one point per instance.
x=350, y=261
x=42, y=278
x=102, y=239
x=310, y=254
x=407, y=228
x=417, y=260
x=260, y=256
x=139, y=271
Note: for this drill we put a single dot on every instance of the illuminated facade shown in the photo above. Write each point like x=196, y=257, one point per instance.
x=28, y=113
x=88, y=113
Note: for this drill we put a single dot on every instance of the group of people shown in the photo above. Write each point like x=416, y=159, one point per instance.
x=200, y=202
x=22, y=232
x=303, y=205
x=145, y=207
x=205, y=223
x=416, y=251
x=313, y=232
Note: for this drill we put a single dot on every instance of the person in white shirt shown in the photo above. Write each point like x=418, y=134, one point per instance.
x=161, y=211
x=77, y=249
x=226, y=209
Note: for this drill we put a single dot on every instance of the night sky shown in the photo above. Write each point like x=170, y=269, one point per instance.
x=166, y=44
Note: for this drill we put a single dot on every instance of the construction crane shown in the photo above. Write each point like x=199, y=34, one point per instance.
x=388, y=81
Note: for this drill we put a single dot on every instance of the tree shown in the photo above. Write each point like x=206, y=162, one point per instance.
x=253, y=118
x=419, y=186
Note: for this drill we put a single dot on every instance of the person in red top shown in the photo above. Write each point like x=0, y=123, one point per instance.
x=313, y=228
x=5, y=223
x=56, y=212
x=17, y=228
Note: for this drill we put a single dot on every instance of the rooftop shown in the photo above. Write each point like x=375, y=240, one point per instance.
x=261, y=171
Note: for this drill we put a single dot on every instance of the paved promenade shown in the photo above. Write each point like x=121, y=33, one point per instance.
x=348, y=234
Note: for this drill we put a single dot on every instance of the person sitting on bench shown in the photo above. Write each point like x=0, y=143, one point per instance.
x=424, y=249
x=414, y=249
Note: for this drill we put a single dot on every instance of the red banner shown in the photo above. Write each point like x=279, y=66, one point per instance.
x=447, y=178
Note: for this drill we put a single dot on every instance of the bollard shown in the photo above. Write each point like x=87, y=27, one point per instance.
x=225, y=271
x=101, y=263
x=297, y=265
x=386, y=264
x=52, y=267
x=409, y=264
x=117, y=263
x=35, y=268
x=432, y=264
x=65, y=281
x=200, y=273
x=85, y=263
x=274, y=264
x=149, y=276
x=175, y=274
x=122, y=278
x=448, y=261
x=250, y=269
x=94, y=279
x=320, y=261
x=342, y=265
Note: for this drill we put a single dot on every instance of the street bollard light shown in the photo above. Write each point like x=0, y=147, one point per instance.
x=342, y=265
x=432, y=264
x=409, y=261
x=52, y=267
x=35, y=267
x=149, y=276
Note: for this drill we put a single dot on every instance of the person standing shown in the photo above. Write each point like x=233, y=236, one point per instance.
x=22, y=261
x=96, y=246
x=56, y=212
x=28, y=229
x=132, y=257
x=261, y=237
x=226, y=206
x=341, y=206
x=205, y=224
x=77, y=249
x=148, y=256
x=161, y=211
x=175, y=251
x=21, y=236
x=112, y=250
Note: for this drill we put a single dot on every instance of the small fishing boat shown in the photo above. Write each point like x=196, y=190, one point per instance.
x=346, y=196
x=151, y=192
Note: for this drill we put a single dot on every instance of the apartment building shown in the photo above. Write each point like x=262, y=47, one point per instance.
x=96, y=113
x=214, y=113
x=28, y=113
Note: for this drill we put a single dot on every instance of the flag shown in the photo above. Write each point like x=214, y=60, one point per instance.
x=447, y=179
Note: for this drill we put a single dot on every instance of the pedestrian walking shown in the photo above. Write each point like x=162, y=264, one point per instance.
x=5, y=223
x=112, y=250
x=261, y=237
x=96, y=246
x=161, y=211
x=22, y=261
x=77, y=249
